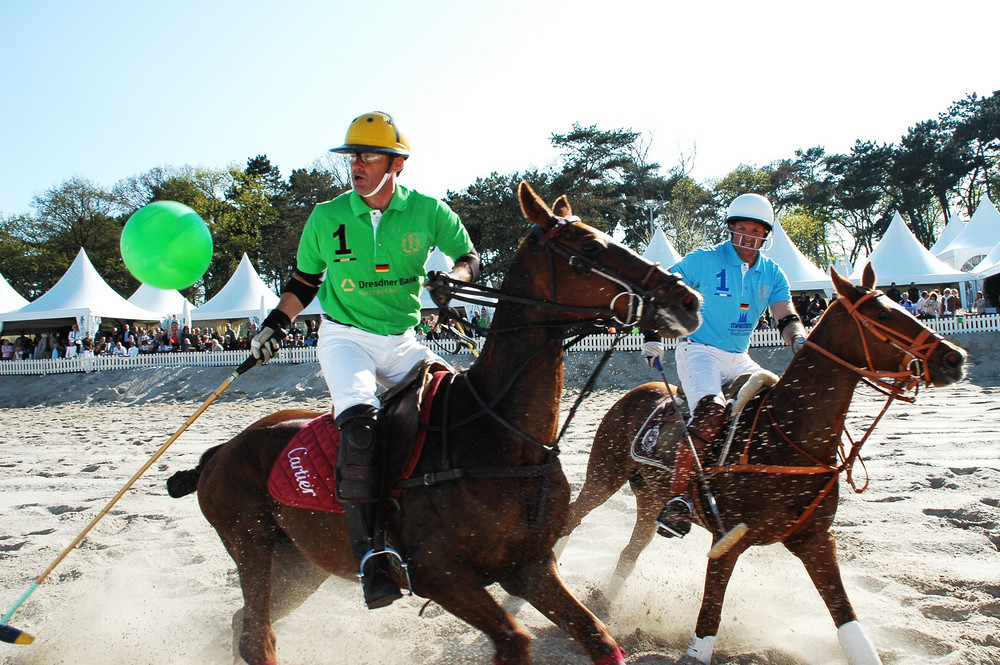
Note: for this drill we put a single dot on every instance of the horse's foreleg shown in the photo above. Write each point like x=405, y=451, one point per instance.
x=462, y=596
x=716, y=580
x=648, y=502
x=818, y=553
x=541, y=585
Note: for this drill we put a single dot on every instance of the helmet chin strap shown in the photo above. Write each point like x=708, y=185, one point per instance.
x=381, y=184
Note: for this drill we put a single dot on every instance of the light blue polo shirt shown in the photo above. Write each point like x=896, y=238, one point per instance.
x=735, y=294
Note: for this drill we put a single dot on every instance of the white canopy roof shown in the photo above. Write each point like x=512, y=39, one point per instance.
x=899, y=257
x=240, y=298
x=9, y=298
x=951, y=231
x=802, y=274
x=80, y=292
x=162, y=301
x=661, y=251
x=979, y=236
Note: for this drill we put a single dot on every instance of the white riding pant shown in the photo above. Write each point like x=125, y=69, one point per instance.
x=356, y=362
x=703, y=370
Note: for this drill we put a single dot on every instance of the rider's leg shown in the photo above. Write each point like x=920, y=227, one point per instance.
x=704, y=427
x=359, y=489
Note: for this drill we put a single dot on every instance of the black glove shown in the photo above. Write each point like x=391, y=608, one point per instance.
x=438, y=283
x=267, y=341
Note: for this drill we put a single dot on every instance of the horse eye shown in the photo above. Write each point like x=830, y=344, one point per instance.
x=592, y=248
x=884, y=314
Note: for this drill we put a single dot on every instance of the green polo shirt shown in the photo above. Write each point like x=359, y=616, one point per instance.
x=375, y=271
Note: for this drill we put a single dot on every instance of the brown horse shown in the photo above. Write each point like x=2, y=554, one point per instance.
x=780, y=478
x=497, y=516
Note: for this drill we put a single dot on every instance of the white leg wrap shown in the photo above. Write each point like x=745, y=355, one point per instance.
x=700, y=648
x=856, y=645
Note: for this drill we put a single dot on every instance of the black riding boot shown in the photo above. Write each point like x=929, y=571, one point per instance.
x=358, y=488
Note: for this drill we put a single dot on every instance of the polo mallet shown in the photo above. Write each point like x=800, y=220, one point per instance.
x=729, y=538
x=13, y=635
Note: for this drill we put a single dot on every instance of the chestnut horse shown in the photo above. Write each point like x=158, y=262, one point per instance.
x=780, y=478
x=493, y=433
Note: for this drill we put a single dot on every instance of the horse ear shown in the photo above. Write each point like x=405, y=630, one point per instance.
x=841, y=284
x=868, y=277
x=561, y=207
x=532, y=206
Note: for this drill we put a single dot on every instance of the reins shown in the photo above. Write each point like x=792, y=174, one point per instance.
x=905, y=385
x=635, y=293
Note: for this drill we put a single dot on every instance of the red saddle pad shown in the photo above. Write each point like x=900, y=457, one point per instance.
x=303, y=476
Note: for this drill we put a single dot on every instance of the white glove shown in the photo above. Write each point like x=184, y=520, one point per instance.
x=798, y=343
x=651, y=351
x=266, y=343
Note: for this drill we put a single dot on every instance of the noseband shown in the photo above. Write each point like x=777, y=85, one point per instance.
x=916, y=351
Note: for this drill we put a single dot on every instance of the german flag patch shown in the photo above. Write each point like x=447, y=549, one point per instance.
x=381, y=267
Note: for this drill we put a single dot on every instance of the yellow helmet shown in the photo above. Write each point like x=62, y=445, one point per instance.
x=375, y=132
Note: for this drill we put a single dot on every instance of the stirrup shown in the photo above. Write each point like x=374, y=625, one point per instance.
x=392, y=554
x=674, y=521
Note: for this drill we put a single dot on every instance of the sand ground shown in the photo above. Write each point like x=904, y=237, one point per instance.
x=153, y=584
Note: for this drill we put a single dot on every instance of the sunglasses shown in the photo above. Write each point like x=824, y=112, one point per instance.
x=365, y=157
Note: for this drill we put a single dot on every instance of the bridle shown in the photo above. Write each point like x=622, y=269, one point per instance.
x=902, y=384
x=914, y=367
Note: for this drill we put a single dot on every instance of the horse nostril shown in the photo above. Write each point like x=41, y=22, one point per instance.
x=953, y=359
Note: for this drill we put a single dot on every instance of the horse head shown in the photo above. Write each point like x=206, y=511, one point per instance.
x=599, y=277
x=890, y=343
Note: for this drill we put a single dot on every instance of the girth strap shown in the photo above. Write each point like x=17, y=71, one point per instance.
x=481, y=472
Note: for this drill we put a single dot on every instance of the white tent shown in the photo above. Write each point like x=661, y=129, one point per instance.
x=899, y=257
x=990, y=265
x=9, y=298
x=979, y=236
x=240, y=298
x=80, y=295
x=802, y=274
x=164, y=301
x=661, y=251
x=952, y=229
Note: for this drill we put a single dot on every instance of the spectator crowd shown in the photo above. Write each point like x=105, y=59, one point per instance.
x=132, y=340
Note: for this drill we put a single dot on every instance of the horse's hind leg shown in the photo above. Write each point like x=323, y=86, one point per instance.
x=541, y=585
x=294, y=579
x=818, y=554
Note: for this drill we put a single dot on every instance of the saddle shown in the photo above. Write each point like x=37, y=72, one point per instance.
x=656, y=441
x=303, y=475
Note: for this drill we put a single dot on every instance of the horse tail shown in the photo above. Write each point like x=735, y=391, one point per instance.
x=185, y=482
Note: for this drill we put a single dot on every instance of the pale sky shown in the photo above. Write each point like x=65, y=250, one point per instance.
x=108, y=90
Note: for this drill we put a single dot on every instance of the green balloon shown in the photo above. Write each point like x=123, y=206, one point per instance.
x=167, y=245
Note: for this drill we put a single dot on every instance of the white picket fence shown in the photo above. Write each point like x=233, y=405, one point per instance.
x=985, y=323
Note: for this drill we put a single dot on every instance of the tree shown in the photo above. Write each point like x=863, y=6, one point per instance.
x=861, y=200
x=927, y=168
x=21, y=259
x=974, y=122
x=79, y=214
x=809, y=233
x=491, y=212
x=690, y=216
x=595, y=168
x=293, y=205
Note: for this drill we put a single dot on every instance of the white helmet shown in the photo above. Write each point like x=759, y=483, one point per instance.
x=753, y=207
